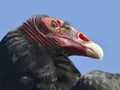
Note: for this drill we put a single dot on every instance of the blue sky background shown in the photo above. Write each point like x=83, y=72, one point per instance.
x=98, y=19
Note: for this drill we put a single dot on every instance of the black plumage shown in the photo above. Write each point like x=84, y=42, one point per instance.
x=24, y=66
x=98, y=80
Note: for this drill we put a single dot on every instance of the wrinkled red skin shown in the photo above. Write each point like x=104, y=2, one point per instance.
x=63, y=36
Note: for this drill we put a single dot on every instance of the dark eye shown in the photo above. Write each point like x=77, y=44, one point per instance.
x=53, y=24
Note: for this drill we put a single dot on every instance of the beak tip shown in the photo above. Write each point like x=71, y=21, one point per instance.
x=100, y=54
x=94, y=51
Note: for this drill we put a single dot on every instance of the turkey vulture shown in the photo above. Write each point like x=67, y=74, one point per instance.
x=34, y=56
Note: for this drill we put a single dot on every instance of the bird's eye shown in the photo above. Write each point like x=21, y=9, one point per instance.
x=53, y=24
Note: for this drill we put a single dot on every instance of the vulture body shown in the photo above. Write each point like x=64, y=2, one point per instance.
x=35, y=57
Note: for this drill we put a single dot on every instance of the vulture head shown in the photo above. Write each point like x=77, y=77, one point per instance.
x=35, y=55
x=58, y=34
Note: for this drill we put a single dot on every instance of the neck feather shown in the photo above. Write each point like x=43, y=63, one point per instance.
x=47, y=64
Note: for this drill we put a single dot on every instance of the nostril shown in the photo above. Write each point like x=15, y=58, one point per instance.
x=84, y=37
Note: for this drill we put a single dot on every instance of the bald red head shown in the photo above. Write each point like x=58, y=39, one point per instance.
x=56, y=33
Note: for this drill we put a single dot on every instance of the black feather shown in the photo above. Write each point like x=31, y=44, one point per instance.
x=98, y=80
